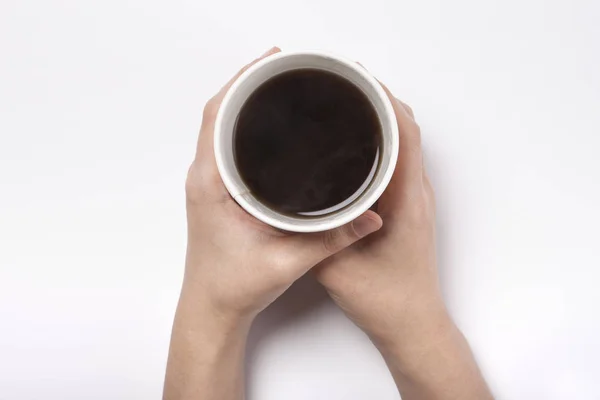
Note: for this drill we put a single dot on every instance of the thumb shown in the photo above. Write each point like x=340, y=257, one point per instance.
x=318, y=246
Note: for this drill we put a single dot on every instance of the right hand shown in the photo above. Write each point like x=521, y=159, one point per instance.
x=388, y=282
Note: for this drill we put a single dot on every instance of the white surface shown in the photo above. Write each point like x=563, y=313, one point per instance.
x=382, y=170
x=100, y=103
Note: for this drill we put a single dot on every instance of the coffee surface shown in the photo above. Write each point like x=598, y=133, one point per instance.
x=306, y=141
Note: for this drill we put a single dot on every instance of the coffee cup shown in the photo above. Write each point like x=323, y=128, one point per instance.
x=248, y=83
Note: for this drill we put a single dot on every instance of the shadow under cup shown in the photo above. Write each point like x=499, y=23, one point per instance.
x=247, y=84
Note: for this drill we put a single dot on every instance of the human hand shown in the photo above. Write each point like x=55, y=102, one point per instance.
x=388, y=281
x=388, y=285
x=235, y=263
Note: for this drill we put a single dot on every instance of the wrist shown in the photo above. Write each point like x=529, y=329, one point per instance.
x=206, y=353
x=422, y=332
x=413, y=328
x=203, y=318
x=433, y=359
x=218, y=299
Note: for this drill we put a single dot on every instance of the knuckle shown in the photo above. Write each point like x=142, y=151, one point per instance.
x=192, y=186
x=412, y=136
x=211, y=109
x=409, y=110
x=420, y=213
x=416, y=133
x=415, y=145
x=331, y=240
x=191, y=175
x=336, y=239
x=350, y=234
x=195, y=184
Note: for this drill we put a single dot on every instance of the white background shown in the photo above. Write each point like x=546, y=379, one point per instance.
x=100, y=103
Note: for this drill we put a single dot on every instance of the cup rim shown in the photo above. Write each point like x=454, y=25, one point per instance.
x=363, y=202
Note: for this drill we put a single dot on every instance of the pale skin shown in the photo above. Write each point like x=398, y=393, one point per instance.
x=380, y=269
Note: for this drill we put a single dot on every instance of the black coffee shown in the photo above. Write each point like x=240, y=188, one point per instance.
x=307, y=142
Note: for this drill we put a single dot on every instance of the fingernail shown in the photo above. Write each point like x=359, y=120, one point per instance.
x=272, y=50
x=365, y=225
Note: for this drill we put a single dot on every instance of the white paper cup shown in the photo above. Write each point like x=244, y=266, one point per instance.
x=255, y=76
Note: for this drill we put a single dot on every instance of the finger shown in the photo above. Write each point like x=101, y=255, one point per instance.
x=205, y=139
x=315, y=247
x=408, y=109
x=224, y=89
x=410, y=133
x=409, y=167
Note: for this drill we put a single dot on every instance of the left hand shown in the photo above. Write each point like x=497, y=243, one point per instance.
x=388, y=283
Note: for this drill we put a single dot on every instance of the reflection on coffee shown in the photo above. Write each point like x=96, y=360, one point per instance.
x=307, y=142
